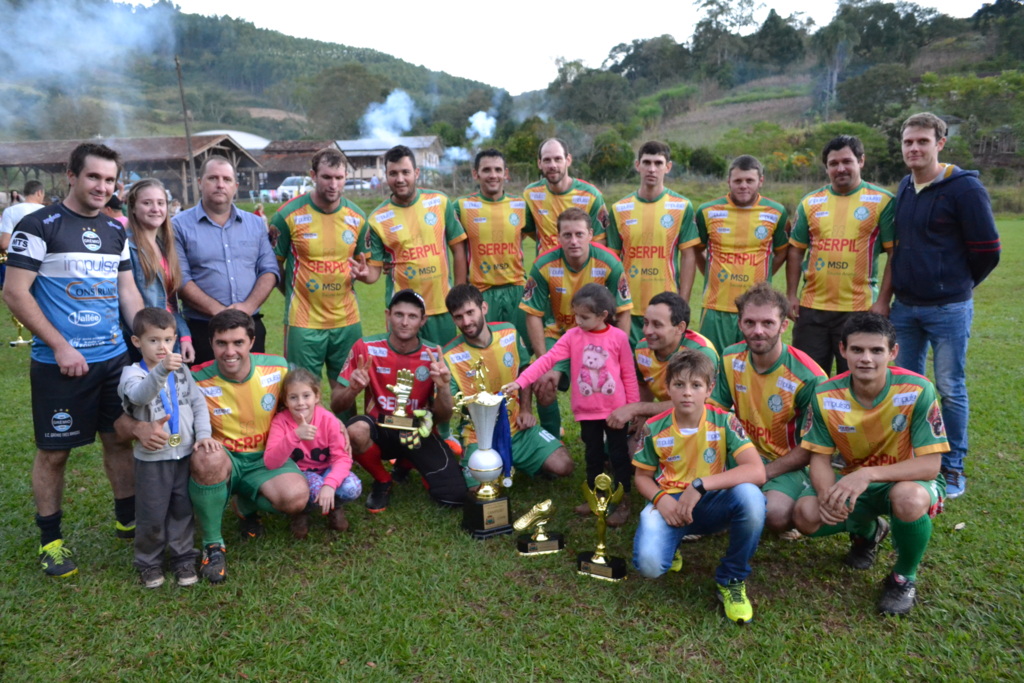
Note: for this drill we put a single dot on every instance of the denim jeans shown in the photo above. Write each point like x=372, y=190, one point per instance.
x=946, y=328
x=740, y=509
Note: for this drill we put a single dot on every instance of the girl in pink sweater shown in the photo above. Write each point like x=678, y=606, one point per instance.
x=602, y=378
x=309, y=434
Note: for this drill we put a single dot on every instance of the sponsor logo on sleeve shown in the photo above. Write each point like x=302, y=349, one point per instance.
x=538, y=196
x=303, y=219
x=815, y=201
x=432, y=202
x=581, y=200
x=212, y=392
x=517, y=204
x=905, y=399
x=556, y=272
x=675, y=206
x=470, y=204
x=766, y=217
x=598, y=272
x=508, y=339
x=384, y=216
x=624, y=206
x=378, y=351
x=871, y=198
x=354, y=221
x=718, y=213
x=461, y=357
x=644, y=361
x=272, y=378
x=786, y=385
x=738, y=365
x=836, y=404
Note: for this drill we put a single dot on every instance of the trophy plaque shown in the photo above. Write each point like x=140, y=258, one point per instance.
x=400, y=418
x=598, y=564
x=19, y=327
x=540, y=542
x=486, y=513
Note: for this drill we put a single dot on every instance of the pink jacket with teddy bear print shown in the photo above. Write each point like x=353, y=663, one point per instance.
x=602, y=374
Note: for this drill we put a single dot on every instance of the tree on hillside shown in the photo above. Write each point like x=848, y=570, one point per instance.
x=647, y=64
x=336, y=98
x=716, y=39
x=888, y=32
x=611, y=159
x=777, y=42
x=877, y=95
x=590, y=95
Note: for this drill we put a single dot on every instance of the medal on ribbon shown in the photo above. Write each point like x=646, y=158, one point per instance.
x=169, y=399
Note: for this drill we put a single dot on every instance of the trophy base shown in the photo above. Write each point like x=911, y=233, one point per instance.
x=487, y=517
x=20, y=342
x=527, y=546
x=407, y=424
x=613, y=568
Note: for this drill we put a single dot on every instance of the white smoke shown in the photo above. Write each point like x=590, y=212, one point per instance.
x=481, y=127
x=387, y=121
x=454, y=155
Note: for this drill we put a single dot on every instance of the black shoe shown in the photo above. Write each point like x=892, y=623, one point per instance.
x=863, y=550
x=380, y=496
x=214, y=566
x=400, y=475
x=250, y=527
x=125, y=532
x=898, y=595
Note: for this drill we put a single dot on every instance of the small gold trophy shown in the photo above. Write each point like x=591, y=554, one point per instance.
x=539, y=542
x=596, y=563
x=400, y=418
x=19, y=341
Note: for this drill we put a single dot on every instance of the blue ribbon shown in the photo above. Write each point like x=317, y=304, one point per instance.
x=502, y=439
x=170, y=403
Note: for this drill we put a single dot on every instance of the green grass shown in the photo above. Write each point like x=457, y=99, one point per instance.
x=760, y=95
x=406, y=595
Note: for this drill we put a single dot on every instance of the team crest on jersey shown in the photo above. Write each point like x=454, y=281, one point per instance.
x=507, y=359
x=422, y=373
x=61, y=422
x=513, y=220
x=710, y=455
x=666, y=221
x=935, y=420
x=430, y=218
x=624, y=287
x=808, y=420
x=268, y=402
x=761, y=232
x=91, y=240
x=861, y=213
x=899, y=423
x=775, y=403
x=528, y=290
x=736, y=426
x=641, y=437
x=348, y=237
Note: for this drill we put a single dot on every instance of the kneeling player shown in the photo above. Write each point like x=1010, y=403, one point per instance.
x=887, y=425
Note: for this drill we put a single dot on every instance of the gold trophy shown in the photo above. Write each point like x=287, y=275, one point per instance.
x=400, y=418
x=19, y=341
x=596, y=563
x=539, y=542
x=486, y=513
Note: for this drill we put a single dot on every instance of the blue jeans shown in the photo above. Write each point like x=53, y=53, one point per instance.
x=946, y=328
x=740, y=509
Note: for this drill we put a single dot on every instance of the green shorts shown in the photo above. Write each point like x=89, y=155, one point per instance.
x=503, y=307
x=305, y=347
x=636, y=330
x=793, y=484
x=562, y=366
x=248, y=473
x=875, y=499
x=438, y=329
x=722, y=328
x=530, y=448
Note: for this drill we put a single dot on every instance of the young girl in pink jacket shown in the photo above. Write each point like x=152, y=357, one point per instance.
x=602, y=378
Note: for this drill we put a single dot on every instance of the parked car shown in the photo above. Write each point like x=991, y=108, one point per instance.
x=357, y=184
x=293, y=186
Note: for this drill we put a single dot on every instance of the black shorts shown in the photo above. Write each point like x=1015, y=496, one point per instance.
x=68, y=411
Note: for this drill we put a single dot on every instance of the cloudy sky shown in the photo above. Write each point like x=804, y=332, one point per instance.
x=510, y=45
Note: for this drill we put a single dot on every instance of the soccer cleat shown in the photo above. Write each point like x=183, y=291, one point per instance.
x=400, y=475
x=56, y=559
x=677, y=562
x=299, y=525
x=734, y=598
x=336, y=519
x=956, y=483
x=620, y=516
x=898, y=595
x=152, y=577
x=124, y=531
x=186, y=575
x=380, y=496
x=791, y=535
x=214, y=566
x=454, y=444
x=863, y=550
x=250, y=527
x=690, y=538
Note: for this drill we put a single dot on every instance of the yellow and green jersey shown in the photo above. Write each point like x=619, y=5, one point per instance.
x=651, y=371
x=678, y=455
x=241, y=412
x=741, y=242
x=545, y=206
x=905, y=421
x=648, y=236
x=495, y=237
x=772, y=405
x=415, y=240
x=552, y=284
x=501, y=359
x=315, y=247
x=843, y=235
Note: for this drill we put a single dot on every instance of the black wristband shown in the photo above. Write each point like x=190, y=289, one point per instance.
x=698, y=484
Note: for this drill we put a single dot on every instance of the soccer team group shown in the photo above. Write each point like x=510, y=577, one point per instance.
x=725, y=429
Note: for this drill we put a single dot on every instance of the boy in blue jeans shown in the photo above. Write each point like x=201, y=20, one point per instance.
x=702, y=475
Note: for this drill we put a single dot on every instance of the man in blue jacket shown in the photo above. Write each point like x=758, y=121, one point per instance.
x=946, y=244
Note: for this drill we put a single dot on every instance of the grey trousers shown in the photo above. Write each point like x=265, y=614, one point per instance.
x=163, y=514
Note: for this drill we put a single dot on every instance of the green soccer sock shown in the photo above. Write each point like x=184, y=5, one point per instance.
x=262, y=503
x=209, y=503
x=550, y=419
x=245, y=506
x=864, y=526
x=911, y=540
x=829, y=530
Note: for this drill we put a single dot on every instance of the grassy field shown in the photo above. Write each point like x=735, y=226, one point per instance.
x=407, y=596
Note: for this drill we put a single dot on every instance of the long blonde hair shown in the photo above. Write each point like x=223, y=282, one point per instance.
x=149, y=260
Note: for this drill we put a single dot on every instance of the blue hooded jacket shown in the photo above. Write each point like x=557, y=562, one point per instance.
x=946, y=239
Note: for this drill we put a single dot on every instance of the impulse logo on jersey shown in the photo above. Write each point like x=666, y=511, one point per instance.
x=303, y=220
x=85, y=267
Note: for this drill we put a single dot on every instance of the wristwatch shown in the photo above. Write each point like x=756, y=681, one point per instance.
x=698, y=484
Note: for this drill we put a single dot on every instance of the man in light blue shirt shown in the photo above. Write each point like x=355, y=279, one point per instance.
x=226, y=257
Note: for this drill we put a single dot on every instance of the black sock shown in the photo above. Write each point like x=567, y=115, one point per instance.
x=124, y=510
x=49, y=527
